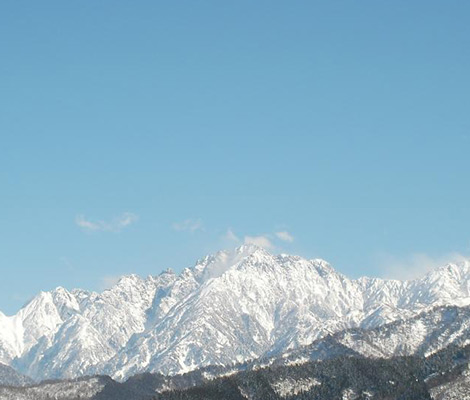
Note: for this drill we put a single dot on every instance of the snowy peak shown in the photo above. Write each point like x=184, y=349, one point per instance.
x=449, y=284
x=229, y=307
x=213, y=266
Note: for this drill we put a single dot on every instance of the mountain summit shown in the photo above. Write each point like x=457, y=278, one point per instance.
x=230, y=307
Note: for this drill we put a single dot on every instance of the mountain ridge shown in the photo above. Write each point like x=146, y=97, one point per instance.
x=231, y=306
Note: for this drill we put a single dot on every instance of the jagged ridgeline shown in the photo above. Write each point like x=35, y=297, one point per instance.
x=230, y=307
x=240, y=320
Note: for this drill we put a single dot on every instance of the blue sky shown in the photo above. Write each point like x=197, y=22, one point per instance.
x=137, y=136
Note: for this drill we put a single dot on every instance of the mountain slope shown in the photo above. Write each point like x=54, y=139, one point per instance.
x=443, y=375
x=270, y=304
x=422, y=335
x=230, y=307
x=324, y=369
x=9, y=377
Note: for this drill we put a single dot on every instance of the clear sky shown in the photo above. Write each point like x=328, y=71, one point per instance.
x=137, y=136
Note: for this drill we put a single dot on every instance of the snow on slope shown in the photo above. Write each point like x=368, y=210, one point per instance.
x=83, y=388
x=421, y=335
x=229, y=307
x=457, y=389
x=9, y=377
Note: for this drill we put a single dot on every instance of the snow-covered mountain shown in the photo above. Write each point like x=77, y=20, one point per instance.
x=441, y=375
x=9, y=377
x=230, y=307
x=81, y=388
x=422, y=335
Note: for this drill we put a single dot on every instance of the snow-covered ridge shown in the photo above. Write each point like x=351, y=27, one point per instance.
x=230, y=307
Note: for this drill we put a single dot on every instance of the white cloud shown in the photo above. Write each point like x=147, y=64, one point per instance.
x=262, y=241
x=230, y=235
x=285, y=236
x=189, y=225
x=109, y=281
x=85, y=224
x=115, y=225
x=414, y=266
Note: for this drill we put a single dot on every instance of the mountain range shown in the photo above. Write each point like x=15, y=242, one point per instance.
x=234, y=307
x=329, y=368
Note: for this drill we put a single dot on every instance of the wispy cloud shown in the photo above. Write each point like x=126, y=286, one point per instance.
x=109, y=281
x=230, y=235
x=285, y=236
x=262, y=241
x=415, y=265
x=189, y=225
x=115, y=225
